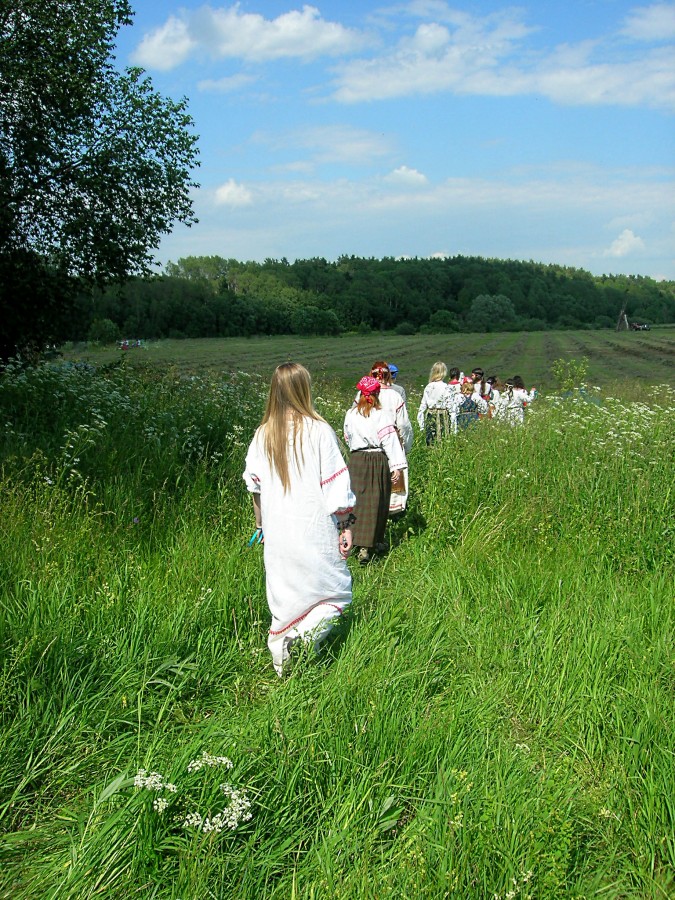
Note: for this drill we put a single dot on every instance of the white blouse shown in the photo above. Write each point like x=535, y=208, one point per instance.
x=375, y=432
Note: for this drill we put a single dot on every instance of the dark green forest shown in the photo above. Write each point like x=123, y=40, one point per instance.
x=216, y=297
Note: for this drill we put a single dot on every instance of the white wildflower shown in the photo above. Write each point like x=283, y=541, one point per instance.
x=159, y=804
x=152, y=782
x=206, y=759
x=193, y=820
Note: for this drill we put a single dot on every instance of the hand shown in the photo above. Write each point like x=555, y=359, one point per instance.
x=396, y=477
x=345, y=543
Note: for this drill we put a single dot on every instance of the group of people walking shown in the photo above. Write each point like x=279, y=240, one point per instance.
x=311, y=508
x=451, y=406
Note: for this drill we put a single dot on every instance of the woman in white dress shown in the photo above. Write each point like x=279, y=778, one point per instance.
x=437, y=415
x=303, y=502
x=516, y=399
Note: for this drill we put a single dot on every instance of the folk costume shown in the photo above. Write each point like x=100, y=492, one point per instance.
x=308, y=582
x=375, y=452
x=437, y=415
x=471, y=407
x=514, y=403
x=390, y=399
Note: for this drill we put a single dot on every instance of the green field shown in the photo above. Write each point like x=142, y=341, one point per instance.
x=646, y=357
x=496, y=718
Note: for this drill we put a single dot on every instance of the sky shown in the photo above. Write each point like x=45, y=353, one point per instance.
x=540, y=131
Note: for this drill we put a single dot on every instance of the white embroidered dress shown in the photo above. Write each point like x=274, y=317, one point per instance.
x=308, y=582
x=512, y=406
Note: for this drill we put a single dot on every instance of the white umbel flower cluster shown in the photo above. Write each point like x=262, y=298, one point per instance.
x=206, y=759
x=238, y=811
x=152, y=782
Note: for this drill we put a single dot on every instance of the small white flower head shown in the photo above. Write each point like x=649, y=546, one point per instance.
x=159, y=804
x=193, y=820
x=206, y=759
x=152, y=782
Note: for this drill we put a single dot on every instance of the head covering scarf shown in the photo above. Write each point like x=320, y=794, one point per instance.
x=368, y=386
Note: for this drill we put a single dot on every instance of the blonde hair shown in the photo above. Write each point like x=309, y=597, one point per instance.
x=288, y=403
x=467, y=388
x=438, y=372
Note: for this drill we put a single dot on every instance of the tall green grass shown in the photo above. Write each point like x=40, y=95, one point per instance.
x=495, y=718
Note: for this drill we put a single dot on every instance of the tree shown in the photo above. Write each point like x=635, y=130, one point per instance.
x=489, y=313
x=95, y=165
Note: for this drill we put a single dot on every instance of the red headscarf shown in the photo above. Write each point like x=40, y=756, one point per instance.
x=368, y=385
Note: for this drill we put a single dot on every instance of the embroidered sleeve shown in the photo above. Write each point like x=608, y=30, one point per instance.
x=335, y=482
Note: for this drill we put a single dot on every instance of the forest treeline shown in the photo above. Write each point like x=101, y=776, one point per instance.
x=210, y=296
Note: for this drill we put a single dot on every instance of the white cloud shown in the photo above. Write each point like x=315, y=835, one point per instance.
x=342, y=144
x=227, y=32
x=233, y=194
x=625, y=244
x=490, y=56
x=506, y=217
x=405, y=175
x=166, y=47
x=651, y=23
x=436, y=58
x=227, y=85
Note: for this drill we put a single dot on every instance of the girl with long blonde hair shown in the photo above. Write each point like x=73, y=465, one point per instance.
x=303, y=505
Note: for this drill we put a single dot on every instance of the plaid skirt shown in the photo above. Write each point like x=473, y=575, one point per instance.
x=371, y=483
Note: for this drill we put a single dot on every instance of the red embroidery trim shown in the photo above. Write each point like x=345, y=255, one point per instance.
x=304, y=616
x=333, y=477
x=385, y=431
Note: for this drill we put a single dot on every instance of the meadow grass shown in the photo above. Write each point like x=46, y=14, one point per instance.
x=493, y=720
x=641, y=357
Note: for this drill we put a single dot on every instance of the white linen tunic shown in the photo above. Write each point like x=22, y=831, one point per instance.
x=375, y=432
x=308, y=582
x=437, y=395
x=512, y=406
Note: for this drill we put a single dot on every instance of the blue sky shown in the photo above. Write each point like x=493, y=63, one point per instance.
x=543, y=131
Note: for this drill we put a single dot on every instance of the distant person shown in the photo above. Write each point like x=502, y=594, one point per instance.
x=518, y=398
x=471, y=406
x=455, y=379
x=393, y=371
x=495, y=388
x=303, y=503
x=437, y=414
x=392, y=400
x=376, y=465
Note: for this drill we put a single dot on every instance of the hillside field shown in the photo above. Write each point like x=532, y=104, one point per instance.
x=494, y=720
x=614, y=357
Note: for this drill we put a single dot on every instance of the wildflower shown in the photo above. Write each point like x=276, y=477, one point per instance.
x=192, y=820
x=159, y=804
x=206, y=759
x=153, y=782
